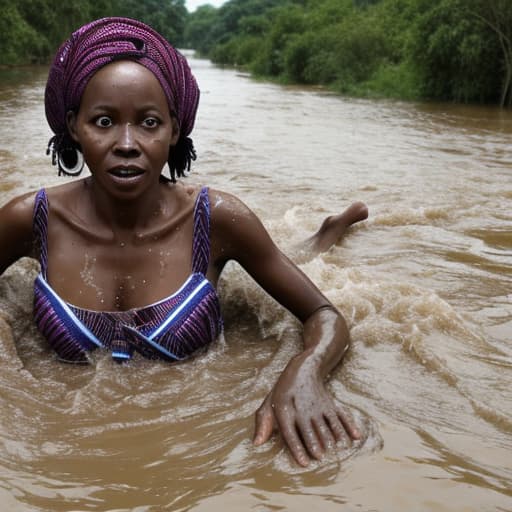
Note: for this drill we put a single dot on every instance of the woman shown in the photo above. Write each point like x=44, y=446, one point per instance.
x=130, y=259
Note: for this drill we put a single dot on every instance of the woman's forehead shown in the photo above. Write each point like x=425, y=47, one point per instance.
x=125, y=73
x=125, y=84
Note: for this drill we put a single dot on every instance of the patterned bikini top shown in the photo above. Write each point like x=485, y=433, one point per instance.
x=172, y=328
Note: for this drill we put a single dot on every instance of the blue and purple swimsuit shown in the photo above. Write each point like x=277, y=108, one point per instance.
x=172, y=328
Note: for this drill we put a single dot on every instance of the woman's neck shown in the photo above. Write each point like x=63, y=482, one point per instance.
x=126, y=215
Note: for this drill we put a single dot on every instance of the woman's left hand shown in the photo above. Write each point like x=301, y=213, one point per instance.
x=304, y=412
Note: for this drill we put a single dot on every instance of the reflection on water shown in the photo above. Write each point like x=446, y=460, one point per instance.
x=425, y=285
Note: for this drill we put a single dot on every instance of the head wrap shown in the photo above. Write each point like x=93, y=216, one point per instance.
x=109, y=39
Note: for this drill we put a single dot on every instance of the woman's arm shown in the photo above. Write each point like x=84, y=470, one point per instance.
x=298, y=404
x=16, y=230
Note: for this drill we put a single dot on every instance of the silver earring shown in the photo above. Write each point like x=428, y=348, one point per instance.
x=70, y=161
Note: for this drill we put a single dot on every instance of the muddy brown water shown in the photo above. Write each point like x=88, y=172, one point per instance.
x=425, y=285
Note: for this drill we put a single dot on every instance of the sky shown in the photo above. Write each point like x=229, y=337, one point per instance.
x=193, y=4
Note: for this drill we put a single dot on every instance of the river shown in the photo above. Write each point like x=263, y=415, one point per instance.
x=425, y=285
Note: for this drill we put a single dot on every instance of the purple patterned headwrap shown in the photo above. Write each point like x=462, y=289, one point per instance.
x=103, y=41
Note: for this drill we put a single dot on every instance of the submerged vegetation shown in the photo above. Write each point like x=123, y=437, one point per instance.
x=455, y=50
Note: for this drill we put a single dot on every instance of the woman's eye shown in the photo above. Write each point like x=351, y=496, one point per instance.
x=150, y=122
x=103, y=122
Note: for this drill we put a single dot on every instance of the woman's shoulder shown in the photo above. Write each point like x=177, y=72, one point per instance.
x=16, y=229
x=223, y=206
x=226, y=207
x=19, y=210
x=235, y=228
x=64, y=191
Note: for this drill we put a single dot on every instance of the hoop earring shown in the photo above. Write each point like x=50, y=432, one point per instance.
x=70, y=161
x=65, y=156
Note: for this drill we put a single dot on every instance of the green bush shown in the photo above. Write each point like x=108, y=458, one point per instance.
x=391, y=81
x=18, y=40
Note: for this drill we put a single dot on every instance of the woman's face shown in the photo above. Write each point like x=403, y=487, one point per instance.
x=124, y=128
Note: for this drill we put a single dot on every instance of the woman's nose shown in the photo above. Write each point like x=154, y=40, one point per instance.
x=126, y=141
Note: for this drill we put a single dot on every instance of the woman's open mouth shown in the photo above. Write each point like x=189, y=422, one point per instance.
x=126, y=172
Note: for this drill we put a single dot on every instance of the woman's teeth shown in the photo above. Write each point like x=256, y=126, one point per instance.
x=123, y=173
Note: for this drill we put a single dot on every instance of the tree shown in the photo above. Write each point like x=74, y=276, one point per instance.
x=165, y=16
x=455, y=50
x=497, y=16
x=456, y=55
x=199, y=29
x=17, y=37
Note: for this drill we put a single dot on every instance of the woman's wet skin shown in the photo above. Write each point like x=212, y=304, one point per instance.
x=128, y=236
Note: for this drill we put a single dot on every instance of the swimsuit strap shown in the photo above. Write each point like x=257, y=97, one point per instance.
x=40, y=228
x=201, y=237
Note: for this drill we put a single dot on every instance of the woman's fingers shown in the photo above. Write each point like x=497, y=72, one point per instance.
x=337, y=427
x=349, y=424
x=313, y=442
x=265, y=423
x=306, y=437
x=325, y=433
x=286, y=419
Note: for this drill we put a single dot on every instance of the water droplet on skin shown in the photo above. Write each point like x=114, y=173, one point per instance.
x=122, y=244
x=102, y=301
x=150, y=250
x=143, y=281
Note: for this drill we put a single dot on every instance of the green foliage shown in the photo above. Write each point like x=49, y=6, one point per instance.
x=391, y=81
x=16, y=35
x=237, y=51
x=457, y=50
x=287, y=23
x=457, y=55
x=32, y=30
x=208, y=27
x=165, y=16
x=199, y=30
